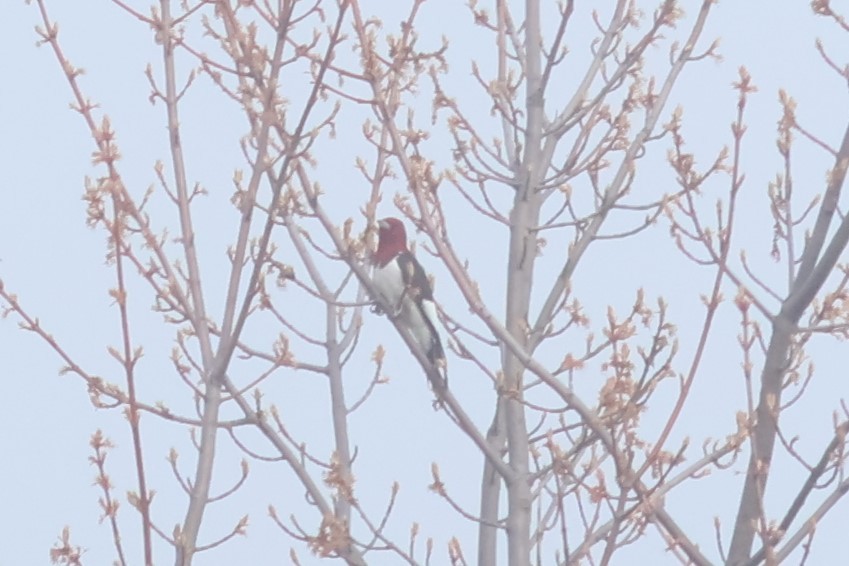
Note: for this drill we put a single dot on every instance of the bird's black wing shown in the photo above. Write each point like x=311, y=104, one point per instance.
x=418, y=289
x=415, y=278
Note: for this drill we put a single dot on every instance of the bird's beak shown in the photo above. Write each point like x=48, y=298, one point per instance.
x=382, y=224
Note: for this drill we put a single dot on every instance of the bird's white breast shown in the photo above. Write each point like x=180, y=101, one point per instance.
x=389, y=282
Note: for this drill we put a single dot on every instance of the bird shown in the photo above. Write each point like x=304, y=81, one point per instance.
x=404, y=286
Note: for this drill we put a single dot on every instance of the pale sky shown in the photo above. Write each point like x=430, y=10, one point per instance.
x=55, y=265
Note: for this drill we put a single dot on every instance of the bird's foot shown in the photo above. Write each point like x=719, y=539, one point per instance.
x=378, y=309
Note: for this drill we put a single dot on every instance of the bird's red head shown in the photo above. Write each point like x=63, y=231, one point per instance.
x=392, y=240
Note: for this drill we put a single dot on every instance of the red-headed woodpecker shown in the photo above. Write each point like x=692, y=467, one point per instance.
x=405, y=288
